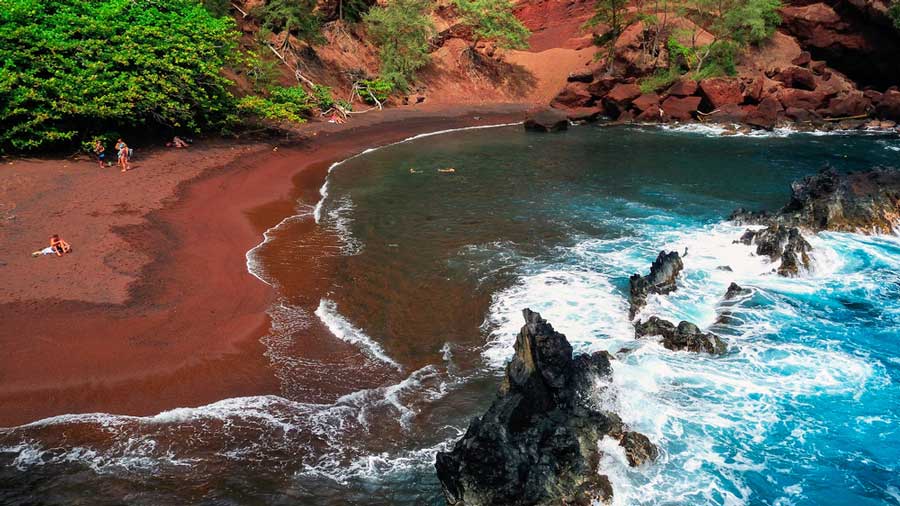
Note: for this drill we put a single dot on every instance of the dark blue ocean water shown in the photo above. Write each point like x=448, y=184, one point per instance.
x=432, y=274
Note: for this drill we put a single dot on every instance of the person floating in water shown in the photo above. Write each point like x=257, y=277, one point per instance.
x=58, y=247
x=413, y=171
x=448, y=170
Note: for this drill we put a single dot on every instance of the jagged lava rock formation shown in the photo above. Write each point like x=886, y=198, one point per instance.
x=661, y=280
x=537, y=444
x=867, y=202
x=780, y=243
x=686, y=336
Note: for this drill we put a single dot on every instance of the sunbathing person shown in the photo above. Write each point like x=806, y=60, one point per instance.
x=58, y=247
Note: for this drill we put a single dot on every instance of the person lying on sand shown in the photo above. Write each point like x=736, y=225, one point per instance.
x=178, y=143
x=58, y=247
x=448, y=170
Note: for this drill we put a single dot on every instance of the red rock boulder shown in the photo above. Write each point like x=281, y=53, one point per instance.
x=680, y=108
x=602, y=85
x=683, y=87
x=620, y=97
x=575, y=94
x=797, y=77
x=722, y=91
x=889, y=106
x=730, y=113
x=854, y=104
x=766, y=114
x=653, y=113
x=646, y=101
x=802, y=99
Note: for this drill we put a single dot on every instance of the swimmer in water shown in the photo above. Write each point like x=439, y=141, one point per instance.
x=448, y=170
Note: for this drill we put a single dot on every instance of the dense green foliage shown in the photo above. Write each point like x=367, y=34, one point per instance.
x=746, y=21
x=282, y=104
x=295, y=16
x=894, y=12
x=612, y=13
x=352, y=10
x=494, y=21
x=374, y=90
x=217, y=8
x=72, y=68
x=401, y=31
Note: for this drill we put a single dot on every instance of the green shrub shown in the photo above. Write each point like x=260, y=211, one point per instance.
x=751, y=21
x=261, y=72
x=297, y=17
x=370, y=90
x=493, y=20
x=401, y=30
x=283, y=104
x=662, y=78
x=352, y=10
x=894, y=12
x=322, y=95
x=217, y=8
x=70, y=69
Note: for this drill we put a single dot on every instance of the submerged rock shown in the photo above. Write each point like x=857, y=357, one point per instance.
x=780, y=243
x=735, y=290
x=864, y=202
x=537, y=443
x=686, y=336
x=661, y=280
x=547, y=120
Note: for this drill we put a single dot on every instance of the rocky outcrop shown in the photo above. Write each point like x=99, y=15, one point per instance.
x=856, y=39
x=780, y=243
x=686, y=336
x=867, y=202
x=547, y=120
x=661, y=280
x=735, y=290
x=537, y=443
x=802, y=76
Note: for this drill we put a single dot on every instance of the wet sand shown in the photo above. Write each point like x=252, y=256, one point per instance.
x=155, y=308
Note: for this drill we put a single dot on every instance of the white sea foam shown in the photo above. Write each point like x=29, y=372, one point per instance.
x=344, y=330
x=705, y=412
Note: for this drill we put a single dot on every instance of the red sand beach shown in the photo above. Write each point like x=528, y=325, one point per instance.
x=155, y=308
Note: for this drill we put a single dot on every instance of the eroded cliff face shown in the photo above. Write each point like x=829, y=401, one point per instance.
x=855, y=37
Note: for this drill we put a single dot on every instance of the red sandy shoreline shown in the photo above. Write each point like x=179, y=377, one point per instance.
x=162, y=312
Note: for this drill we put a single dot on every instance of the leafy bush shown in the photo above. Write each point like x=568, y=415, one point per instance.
x=217, y=8
x=751, y=21
x=261, y=72
x=894, y=12
x=352, y=10
x=372, y=89
x=283, y=104
x=297, y=17
x=662, y=78
x=401, y=30
x=322, y=95
x=493, y=20
x=73, y=68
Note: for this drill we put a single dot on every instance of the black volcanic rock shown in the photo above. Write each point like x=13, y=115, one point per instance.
x=735, y=290
x=537, y=443
x=864, y=202
x=780, y=243
x=547, y=120
x=686, y=336
x=661, y=280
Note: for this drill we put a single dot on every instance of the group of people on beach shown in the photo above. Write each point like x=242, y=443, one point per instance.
x=123, y=154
